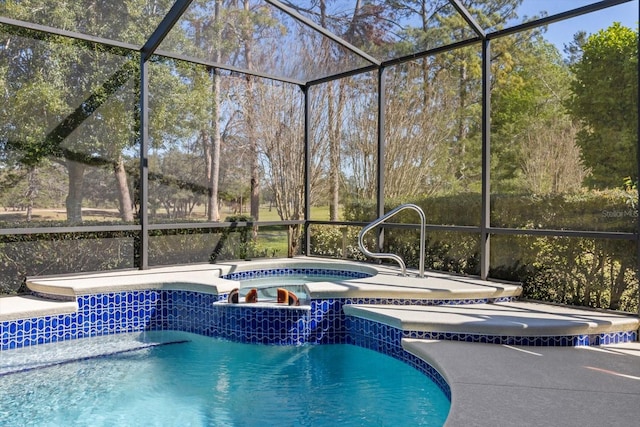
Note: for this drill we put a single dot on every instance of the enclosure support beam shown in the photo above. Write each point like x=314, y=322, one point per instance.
x=638, y=188
x=323, y=31
x=590, y=8
x=143, y=244
x=381, y=154
x=167, y=23
x=468, y=17
x=486, y=161
x=42, y=32
x=307, y=170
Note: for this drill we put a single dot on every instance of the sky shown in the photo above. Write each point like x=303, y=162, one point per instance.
x=561, y=33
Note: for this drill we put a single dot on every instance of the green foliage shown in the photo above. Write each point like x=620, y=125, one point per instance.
x=605, y=210
x=605, y=99
x=587, y=272
x=580, y=271
x=444, y=251
x=336, y=242
x=360, y=210
x=75, y=252
x=188, y=246
x=62, y=253
x=532, y=138
x=182, y=246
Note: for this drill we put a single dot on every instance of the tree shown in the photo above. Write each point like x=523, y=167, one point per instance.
x=365, y=25
x=604, y=99
x=81, y=93
x=417, y=133
x=533, y=138
x=282, y=150
x=434, y=104
x=208, y=30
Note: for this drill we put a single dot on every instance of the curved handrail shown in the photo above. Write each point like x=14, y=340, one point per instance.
x=396, y=258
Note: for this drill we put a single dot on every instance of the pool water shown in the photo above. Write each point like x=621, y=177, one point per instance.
x=181, y=379
x=267, y=281
x=267, y=288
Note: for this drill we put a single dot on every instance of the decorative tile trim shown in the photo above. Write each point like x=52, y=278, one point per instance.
x=284, y=272
x=425, y=301
x=534, y=341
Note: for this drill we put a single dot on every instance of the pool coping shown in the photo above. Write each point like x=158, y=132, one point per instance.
x=437, y=303
x=387, y=282
x=197, y=277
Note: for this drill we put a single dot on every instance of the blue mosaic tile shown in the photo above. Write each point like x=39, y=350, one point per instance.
x=535, y=341
x=388, y=340
x=183, y=310
x=285, y=272
x=265, y=325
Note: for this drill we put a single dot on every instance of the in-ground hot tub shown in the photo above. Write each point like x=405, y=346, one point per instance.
x=265, y=320
x=294, y=278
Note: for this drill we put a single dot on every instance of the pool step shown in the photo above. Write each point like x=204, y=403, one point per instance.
x=28, y=306
x=28, y=359
x=434, y=288
x=203, y=278
x=518, y=323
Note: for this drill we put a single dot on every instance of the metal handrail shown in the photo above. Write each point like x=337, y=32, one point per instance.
x=396, y=258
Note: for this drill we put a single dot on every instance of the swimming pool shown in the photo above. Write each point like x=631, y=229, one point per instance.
x=178, y=378
x=195, y=300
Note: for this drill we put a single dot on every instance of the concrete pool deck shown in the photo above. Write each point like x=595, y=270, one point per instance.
x=505, y=386
x=491, y=384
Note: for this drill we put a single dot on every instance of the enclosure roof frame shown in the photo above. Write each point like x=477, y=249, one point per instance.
x=179, y=8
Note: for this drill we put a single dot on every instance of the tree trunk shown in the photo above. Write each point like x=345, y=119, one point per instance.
x=212, y=168
x=214, y=209
x=618, y=286
x=459, y=148
x=124, y=196
x=214, y=142
x=255, y=162
x=591, y=279
x=294, y=236
x=32, y=191
x=334, y=116
x=334, y=119
x=207, y=148
x=255, y=183
x=75, y=194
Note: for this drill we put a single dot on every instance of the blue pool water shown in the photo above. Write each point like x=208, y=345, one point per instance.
x=181, y=379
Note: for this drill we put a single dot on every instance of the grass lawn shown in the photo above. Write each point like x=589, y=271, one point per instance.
x=273, y=241
x=320, y=213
